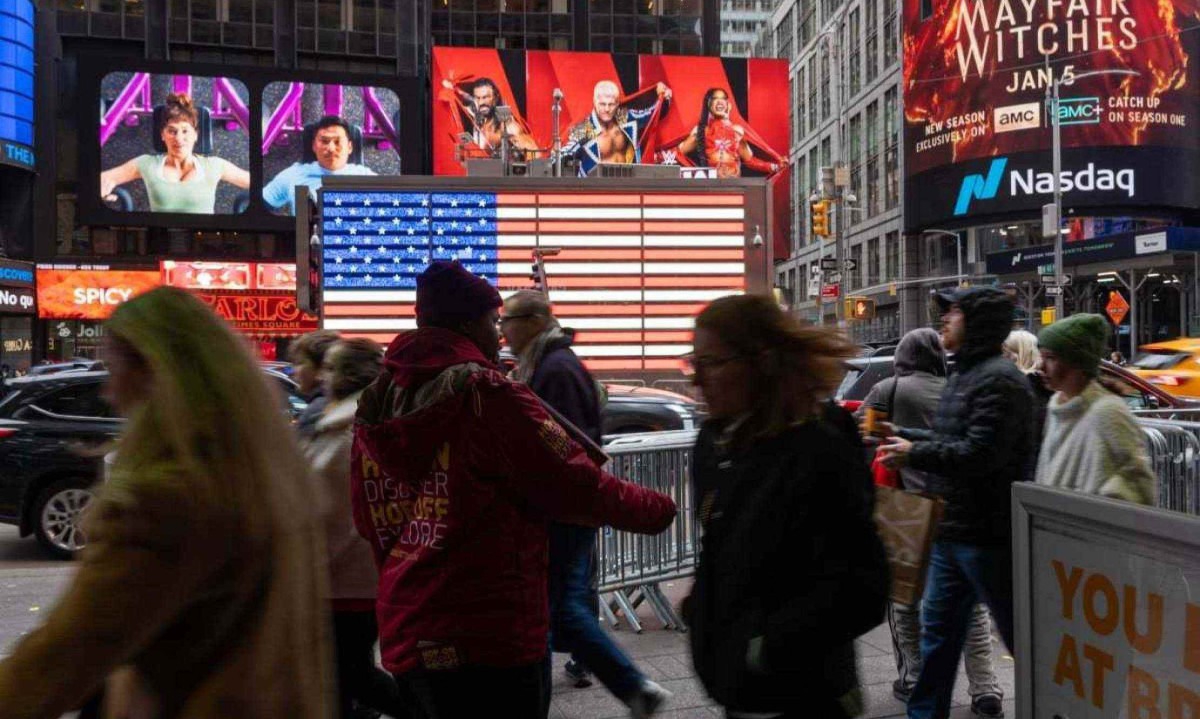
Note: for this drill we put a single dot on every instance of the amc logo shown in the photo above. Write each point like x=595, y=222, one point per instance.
x=1079, y=111
x=1026, y=116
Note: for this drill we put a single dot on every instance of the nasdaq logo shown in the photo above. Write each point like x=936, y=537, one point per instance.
x=1079, y=111
x=979, y=187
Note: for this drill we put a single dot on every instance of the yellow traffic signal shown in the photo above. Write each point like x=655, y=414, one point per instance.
x=860, y=308
x=819, y=218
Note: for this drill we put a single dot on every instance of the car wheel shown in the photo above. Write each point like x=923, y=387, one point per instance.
x=58, y=514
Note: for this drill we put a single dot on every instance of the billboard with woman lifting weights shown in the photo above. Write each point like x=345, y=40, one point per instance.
x=977, y=127
x=195, y=146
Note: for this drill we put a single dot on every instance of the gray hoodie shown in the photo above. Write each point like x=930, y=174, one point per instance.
x=920, y=377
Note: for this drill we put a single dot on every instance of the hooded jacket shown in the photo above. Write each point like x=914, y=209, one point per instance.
x=562, y=382
x=456, y=472
x=912, y=395
x=982, y=439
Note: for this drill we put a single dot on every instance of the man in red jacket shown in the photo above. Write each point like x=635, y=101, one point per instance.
x=456, y=472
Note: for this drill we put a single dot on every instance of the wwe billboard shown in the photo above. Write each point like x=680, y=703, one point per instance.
x=714, y=117
x=977, y=131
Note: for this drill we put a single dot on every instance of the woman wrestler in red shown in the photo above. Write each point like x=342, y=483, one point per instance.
x=725, y=146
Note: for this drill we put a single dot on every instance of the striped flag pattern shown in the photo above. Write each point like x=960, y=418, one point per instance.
x=633, y=271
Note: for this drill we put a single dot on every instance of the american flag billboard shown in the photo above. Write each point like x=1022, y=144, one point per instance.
x=634, y=267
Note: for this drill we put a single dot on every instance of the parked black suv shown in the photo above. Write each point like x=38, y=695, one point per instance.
x=54, y=430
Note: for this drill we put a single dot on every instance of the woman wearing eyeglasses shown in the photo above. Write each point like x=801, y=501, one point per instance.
x=791, y=569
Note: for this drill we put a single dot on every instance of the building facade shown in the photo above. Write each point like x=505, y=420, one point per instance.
x=741, y=23
x=845, y=73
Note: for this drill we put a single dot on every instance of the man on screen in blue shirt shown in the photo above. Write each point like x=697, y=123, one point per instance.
x=332, y=147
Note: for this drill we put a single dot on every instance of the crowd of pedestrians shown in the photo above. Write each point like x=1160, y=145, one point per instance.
x=430, y=504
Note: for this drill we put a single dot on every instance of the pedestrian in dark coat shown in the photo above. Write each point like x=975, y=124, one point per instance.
x=547, y=364
x=981, y=442
x=781, y=487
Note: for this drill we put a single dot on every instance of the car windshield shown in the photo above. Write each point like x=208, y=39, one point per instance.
x=1159, y=359
x=848, y=381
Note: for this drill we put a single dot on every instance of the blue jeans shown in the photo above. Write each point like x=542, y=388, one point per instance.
x=960, y=575
x=574, y=626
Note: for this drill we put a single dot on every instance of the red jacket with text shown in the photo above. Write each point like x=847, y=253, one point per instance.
x=455, y=473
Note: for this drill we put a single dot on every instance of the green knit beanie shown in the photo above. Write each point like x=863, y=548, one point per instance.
x=1080, y=340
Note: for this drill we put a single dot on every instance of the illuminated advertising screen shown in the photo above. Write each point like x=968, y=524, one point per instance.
x=66, y=292
x=726, y=116
x=977, y=129
x=174, y=143
x=256, y=298
x=189, y=145
x=16, y=82
x=632, y=268
x=314, y=131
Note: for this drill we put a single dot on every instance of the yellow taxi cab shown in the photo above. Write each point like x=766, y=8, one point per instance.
x=1173, y=365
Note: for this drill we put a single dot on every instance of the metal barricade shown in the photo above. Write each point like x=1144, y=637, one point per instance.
x=1174, y=449
x=633, y=565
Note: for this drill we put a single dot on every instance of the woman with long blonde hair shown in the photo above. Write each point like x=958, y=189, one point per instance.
x=204, y=573
x=780, y=481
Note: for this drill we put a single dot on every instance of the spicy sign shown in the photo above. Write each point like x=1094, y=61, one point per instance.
x=263, y=313
x=88, y=294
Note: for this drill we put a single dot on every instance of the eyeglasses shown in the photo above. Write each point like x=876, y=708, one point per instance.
x=508, y=318
x=705, y=364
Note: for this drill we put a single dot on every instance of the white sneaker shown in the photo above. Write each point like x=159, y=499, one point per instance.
x=648, y=700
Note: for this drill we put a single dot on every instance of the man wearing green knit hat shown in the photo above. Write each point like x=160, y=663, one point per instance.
x=1092, y=442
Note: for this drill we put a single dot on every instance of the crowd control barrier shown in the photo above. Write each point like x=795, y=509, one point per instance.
x=632, y=566
x=1174, y=448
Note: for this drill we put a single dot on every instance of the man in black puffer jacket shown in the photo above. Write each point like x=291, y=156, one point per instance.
x=981, y=442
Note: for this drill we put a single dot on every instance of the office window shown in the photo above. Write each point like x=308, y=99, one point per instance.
x=855, y=160
x=825, y=89
x=855, y=55
x=855, y=277
x=784, y=36
x=891, y=36
x=800, y=201
x=891, y=151
x=874, y=276
x=827, y=151
x=873, y=150
x=814, y=89
x=798, y=121
x=892, y=261
x=808, y=15
x=871, y=64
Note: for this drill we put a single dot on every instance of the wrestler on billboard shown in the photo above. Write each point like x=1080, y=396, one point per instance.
x=478, y=108
x=716, y=141
x=615, y=131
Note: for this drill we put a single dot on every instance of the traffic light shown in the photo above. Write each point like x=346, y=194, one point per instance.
x=309, y=260
x=535, y=275
x=860, y=308
x=819, y=218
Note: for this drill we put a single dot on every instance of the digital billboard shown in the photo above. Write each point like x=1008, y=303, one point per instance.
x=729, y=115
x=88, y=293
x=174, y=143
x=191, y=145
x=316, y=130
x=16, y=82
x=977, y=130
x=633, y=266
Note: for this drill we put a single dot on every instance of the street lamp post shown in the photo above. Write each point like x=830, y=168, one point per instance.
x=839, y=236
x=1052, y=106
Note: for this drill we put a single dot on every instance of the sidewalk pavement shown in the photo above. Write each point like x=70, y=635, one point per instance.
x=663, y=655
